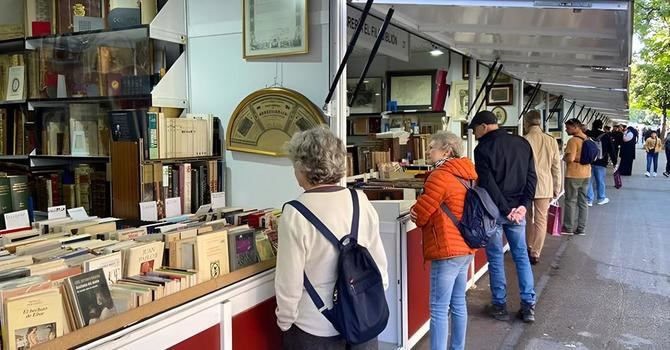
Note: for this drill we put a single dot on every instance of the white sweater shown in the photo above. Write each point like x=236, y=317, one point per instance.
x=303, y=249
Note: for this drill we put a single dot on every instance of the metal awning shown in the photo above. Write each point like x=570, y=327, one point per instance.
x=578, y=49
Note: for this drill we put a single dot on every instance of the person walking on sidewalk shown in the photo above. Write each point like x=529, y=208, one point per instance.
x=630, y=137
x=577, y=177
x=599, y=167
x=548, y=170
x=666, y=145
x=506, y=170
x=443, y=244
x=653, y=146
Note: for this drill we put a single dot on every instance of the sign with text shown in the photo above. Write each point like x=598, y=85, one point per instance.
x=17, y=219
x=149, y=211
x=78, y=213
x=218, y=200
x=395, y=43
x=172, y=207
x=57, y=212
x=203, y=210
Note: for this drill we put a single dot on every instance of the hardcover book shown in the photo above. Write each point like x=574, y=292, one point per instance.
x=242, y=249
x=211, y=255
x=110, y=264
x=89, y=297
x=33, y=318
x=20, y=192
x=143, y=258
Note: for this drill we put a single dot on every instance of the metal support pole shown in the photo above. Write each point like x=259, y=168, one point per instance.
x=472, y=81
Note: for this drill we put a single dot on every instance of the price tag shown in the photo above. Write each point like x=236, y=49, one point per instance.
x=149, y=211
x=204, y=209
x=57, y=212
x=218, y=200
x=172, y=207
x=17, y=219
x=78, y=213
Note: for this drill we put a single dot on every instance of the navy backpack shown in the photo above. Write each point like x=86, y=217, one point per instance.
x=590, y=152
x=359, y=311
x=480, y=215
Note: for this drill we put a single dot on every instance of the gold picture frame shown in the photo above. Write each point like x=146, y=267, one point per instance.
x=266, y=119
x=276, y=29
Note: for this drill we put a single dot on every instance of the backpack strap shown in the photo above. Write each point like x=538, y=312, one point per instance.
x=356, y=215
x=302, y=209
x=468, y=185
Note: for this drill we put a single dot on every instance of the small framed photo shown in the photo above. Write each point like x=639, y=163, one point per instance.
x=273, y=28
x=501, y=114
x=370, y=98
x=412, y=90
x=466, y=68
x=500, y=95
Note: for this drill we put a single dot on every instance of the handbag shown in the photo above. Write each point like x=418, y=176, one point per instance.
x=554, y=217
x=618, y=183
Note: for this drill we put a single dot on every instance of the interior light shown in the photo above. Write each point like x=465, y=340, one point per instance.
x=436, y=52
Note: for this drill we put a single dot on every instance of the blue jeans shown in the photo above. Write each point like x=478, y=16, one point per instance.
x=597, y=176
x=448, y=279
x=516, y=237
x=652, y=157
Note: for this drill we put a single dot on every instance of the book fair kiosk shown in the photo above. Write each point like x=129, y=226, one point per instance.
x=190, y=131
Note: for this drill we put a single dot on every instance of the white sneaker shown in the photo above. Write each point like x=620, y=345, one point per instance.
x=653, y=174
x=647, y=174
x=590, y=204
x=604, y=201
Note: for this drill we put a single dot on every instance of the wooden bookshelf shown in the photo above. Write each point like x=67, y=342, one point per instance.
x=118, y=322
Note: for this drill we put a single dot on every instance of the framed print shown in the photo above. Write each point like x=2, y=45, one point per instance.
x=273, y=28
x=501, y=114
x=369, y=99
x=466, y=70
x=412, y=89
x=500, y=95
x=458, y=101
x=555, y=122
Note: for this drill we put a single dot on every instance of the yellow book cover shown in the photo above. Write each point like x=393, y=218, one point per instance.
x=32, y=319
x=211, y=255
x=144, y=258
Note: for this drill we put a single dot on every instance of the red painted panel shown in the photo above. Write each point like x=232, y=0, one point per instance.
x=480, y=259
x=418, y=283
x=257, y=328
x=209, y=339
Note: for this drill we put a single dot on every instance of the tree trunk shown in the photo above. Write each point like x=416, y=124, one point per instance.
x=663, y=122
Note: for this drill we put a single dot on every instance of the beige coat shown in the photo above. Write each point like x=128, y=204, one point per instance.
x=547, y=162
x=653, y=145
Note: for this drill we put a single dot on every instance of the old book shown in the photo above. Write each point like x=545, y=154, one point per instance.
x=5, y=199
x=211, y=255
x=128, y=234
x=57, y=135
x=111, y=265
x=113, y=64
x=33, y=318
x=242, y=249
x=158, y=189
x=3, y=131
x=39, y=17
x=147, y=183
x=185, y=187
x=82, y=178
x=68, y=9
x=152, y=135
x=20, y=191
x=84, y=129
x=143, y=258
x=89, y=297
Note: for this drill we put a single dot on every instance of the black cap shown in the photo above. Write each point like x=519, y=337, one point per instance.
x=483, y=117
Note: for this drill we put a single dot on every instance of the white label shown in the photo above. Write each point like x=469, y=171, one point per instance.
x=218, y=200
x=78, y=213
x=17, y=219
x=57, y=212
x=172, y=207
x=149, y=211
x=204, y=209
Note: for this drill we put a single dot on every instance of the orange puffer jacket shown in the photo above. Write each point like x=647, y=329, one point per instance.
x=441, y=238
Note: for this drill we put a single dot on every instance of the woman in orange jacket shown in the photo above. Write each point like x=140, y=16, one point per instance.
x=443, y=244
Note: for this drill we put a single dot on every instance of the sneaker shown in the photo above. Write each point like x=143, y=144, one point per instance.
x=590, y=204
x=647, y=174
x=566, y=233
x=580, y=233
x=653, y=174
x=499, y=312
x=604, y=201
x=666, y=174
x=527, y=313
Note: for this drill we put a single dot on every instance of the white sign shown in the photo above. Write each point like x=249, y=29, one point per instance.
x=17, y=219
x=15, y=80
x=149, y=211
x=57, y=212
x=78, y=213
x=172, y=207
x=204, y=209
x=218, y=200
x=395, y=43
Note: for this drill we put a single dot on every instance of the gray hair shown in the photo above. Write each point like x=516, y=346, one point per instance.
x=533, y=118
x=446, y=140
x=319, y=154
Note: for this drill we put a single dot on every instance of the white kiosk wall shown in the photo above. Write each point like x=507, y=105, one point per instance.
x=220, y=78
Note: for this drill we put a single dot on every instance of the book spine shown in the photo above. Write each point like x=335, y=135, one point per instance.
x=153, y=135
x=19, y=192
x=186, y=195
x=195, y=190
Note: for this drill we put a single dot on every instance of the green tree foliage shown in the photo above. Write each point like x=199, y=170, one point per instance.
x=650, y=74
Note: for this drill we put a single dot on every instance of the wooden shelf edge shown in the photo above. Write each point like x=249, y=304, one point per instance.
x=130, y=317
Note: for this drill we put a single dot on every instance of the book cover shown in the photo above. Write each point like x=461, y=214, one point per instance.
x=20, y=192
x=152, y=134
x=143, y=258
x=211, y=255
x=89, y=297
x=32, y=319
x=242, y=249
x=5, y=199
x=124, y=125
x=110, y=264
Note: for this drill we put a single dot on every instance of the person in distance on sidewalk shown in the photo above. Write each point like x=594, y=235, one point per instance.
x=548, y=170
x=576, y=181
x=599, y=167
x=653, y=146
x=506, y=169
x=666, y=145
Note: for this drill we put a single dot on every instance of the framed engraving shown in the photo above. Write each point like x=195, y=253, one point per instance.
x=500, y=95
x=273, y=28
x=369, y=99
x=412, y=89
x=465, y=68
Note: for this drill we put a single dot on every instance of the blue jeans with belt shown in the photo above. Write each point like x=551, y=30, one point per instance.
x=516, y=237
x=448, y=279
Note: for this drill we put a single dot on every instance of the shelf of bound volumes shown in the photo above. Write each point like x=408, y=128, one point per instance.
x=70, y=281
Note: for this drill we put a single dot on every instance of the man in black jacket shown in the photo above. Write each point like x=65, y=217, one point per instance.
x=599, y=167
x=506, y=169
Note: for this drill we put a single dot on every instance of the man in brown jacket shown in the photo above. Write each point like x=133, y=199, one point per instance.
x=548, y=169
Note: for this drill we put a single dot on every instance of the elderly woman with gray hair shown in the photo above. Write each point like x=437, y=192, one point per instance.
x=319, y=163
x=443, y=244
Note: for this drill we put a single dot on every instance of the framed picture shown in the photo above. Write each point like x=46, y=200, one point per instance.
x=273, y=28
x=501, y=114
x=466, y=69
x=458, y=101
x=370, y=98
x=500, y=95
x=555, y=122
x=412, y=89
